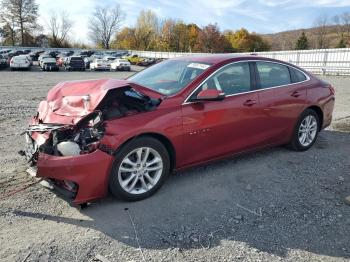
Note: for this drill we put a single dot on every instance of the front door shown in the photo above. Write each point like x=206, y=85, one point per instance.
x=215, y=128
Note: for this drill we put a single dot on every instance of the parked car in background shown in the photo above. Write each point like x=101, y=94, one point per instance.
x=114, y=54
x=49, y=64
x=26, y=51
x=3, y=62
x=120, y=64
x=86, y=53
x=67, y=53
x=14, y=53
x=60, y=59
x=35, y=54
x=134, y=59
x=20, y=62
x=74, y=63
x=5, y=51
x=42, y=57
x=88, y=61
x=144, y=61
x=100, y=64
x=127, y=136
x=97, y=56
x=109, y=58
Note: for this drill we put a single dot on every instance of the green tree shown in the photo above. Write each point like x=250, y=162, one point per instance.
x=302, y=42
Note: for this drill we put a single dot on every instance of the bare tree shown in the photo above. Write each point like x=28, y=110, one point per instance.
x=23, y=13
x=59, y=26
x=321, y=24
x=338, y=25
x=104, y=23
x=345, y=20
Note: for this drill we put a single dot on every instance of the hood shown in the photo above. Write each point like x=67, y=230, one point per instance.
x=69, y=102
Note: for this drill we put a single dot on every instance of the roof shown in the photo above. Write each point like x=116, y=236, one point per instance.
x=214, y=58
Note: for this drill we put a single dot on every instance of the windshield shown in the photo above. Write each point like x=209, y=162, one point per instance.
x=170, y=76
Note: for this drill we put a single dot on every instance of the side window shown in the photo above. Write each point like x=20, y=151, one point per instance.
x=296, y=75
x=231, y=79
x=272, y=74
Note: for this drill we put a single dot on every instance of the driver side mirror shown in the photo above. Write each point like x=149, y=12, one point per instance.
x=210, y=95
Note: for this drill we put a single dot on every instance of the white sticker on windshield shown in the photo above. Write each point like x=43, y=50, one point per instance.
x=198, y=66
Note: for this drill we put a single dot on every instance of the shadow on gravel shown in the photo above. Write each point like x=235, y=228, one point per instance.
x=275, y=201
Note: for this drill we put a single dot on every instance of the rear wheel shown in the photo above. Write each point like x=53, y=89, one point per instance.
x=140, y=169
x=306, y=131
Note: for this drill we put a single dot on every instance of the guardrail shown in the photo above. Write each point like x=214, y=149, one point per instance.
x=319, y=61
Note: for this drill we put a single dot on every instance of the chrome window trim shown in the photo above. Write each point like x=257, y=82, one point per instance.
x=186, y=102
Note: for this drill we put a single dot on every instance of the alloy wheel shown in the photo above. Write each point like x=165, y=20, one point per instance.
x=307, y=130
x=140, y=170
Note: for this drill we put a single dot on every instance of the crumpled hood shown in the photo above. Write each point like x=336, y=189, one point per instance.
x=69, y=102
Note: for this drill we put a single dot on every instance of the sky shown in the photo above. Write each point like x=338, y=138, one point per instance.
x=261, y=16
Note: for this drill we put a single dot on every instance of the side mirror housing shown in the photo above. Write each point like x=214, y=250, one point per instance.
x=210, y=95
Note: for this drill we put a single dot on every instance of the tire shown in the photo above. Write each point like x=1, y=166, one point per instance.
x=129, y=151
x=297, y=138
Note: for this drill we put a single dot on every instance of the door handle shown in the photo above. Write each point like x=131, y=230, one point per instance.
x=295, y=94
x=249, y=102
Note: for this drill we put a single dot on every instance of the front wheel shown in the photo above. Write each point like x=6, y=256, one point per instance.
x=306, y=131
x=139, y=169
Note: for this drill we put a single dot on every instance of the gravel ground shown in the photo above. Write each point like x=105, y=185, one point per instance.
x=274, y=205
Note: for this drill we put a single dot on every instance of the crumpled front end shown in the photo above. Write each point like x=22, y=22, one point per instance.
x=70, y=158
x=64, y=139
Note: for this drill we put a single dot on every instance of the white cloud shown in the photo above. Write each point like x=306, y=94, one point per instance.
x=260, y=15
x=301, y=4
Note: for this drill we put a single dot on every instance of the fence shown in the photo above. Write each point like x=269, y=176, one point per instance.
x=318, y=61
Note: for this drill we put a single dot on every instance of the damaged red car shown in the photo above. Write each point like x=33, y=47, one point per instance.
x=125, y=136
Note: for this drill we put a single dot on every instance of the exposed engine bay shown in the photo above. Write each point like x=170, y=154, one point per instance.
x=83, y=137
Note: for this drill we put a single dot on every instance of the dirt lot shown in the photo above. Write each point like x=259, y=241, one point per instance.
x=274, y=205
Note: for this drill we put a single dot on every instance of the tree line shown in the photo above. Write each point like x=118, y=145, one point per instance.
x=327, y=32
x=151, y=33
x=19, y=26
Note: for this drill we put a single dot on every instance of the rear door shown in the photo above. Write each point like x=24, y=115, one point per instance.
x=282, y=98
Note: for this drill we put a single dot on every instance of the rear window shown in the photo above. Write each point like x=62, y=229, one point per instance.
x=49, y=60
x=18, y=58
x=296, y=75
x=76, y=59
x=273, y=74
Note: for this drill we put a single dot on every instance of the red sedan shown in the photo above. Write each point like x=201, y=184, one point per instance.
x=126, y=136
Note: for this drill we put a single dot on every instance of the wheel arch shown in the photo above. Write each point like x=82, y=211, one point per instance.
x=163, y=139
x=319, y=113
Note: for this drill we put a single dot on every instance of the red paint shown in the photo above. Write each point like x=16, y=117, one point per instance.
x=199, y=132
